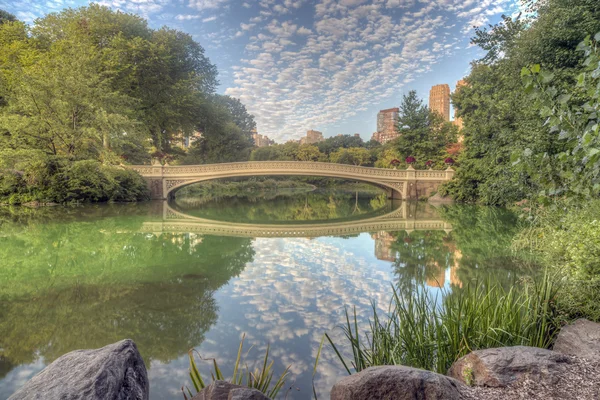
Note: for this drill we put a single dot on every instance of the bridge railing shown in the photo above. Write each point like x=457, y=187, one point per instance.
x=291, y=166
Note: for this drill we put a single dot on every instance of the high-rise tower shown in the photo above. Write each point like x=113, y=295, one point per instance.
x=387, y=121
x=439, y=100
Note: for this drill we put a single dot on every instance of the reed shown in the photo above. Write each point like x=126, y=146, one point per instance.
x=260, y=378
x=431, y=332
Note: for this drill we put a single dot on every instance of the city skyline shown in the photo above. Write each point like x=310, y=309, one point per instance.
x=325, y=64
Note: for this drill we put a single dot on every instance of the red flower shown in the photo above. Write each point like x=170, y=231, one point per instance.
x=429, y=163
x=449, y=160
x=410, y=160
x=395, y=162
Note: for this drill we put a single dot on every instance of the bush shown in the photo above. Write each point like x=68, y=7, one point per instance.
x=53, y=179
x=567, y=238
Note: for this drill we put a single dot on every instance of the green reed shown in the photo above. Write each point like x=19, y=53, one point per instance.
x=261, y=378
x=431, y=332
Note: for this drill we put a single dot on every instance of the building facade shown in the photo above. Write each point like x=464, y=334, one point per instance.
x=439, y=100
x=387, y=125
x=312, y=137
x=261, y=140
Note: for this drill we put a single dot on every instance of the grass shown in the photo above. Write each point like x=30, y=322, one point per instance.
x=260, y=378
x=432, y=332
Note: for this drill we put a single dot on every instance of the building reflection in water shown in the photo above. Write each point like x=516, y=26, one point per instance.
x=385, y=243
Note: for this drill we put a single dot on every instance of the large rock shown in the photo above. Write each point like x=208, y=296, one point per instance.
x=396, y=383
x=221, y=390
x=581, y=339
x=115, y=372
x=506, y=365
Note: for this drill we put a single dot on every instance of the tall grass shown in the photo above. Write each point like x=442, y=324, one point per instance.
x=431, y=332
x=261, y=378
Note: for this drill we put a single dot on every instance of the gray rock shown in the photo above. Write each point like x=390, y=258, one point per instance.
x=396, y=383
x=581, y=339
x=116, y=371
x=503, y=366
x=221, y=390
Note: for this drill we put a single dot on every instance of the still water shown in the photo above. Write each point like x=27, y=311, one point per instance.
x=199, y=272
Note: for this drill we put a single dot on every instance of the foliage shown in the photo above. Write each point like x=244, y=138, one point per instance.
x=501, y=122
x=352, y=155
x=260, y=379
x=5, y=16
x=424, y=135
x=308, y=152
x=335, y=143
x=34, y=177
x=573, y=119
x=424, y=331
x=567, y=238
x=95, y=84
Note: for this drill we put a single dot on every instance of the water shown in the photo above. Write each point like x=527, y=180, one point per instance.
x=201, y=272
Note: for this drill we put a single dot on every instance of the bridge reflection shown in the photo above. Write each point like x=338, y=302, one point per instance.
x=399, y=219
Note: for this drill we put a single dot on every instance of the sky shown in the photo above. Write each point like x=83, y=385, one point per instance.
x=328, y=65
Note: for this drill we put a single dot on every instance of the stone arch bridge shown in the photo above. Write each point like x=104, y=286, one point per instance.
x=392, y=220
x=405, y=184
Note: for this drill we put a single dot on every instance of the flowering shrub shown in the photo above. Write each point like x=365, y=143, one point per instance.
x=410, y=160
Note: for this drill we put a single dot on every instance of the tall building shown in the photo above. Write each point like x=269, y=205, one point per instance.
x=312, y=137
x=387, y=125
x=439, y=100
x=458, y=121
x=261, y=140
x=383, y=246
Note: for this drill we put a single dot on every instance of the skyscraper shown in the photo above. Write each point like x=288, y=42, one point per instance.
x=387, y=121
x=439, y=100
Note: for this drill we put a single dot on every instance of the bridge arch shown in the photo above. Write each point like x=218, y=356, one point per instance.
x=405, y=184
x=394, y=190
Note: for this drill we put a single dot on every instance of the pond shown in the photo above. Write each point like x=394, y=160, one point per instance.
x=200, y=271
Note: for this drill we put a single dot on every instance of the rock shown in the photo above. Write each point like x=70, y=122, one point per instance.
x=116, y=371
x=581, y=339
x=396, y=383
x=505, y=365
x=221, y=390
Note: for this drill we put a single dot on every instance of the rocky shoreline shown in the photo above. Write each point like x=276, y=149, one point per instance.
x=570, y=371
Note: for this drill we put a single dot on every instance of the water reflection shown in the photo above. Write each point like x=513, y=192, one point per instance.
x=84, y=277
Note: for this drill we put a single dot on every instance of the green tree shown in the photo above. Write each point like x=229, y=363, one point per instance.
x=308, y=152
x=5, y=16
x=352, y=155
x=423, y=134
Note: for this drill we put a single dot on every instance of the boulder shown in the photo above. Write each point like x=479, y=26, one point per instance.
x=116, y=371
x=503, y=366
x=221, y=390
x=580, y=339
x=396, y=383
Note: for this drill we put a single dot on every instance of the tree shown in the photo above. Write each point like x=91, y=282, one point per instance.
x=239, y=114
x=423, y=134
x=334, y=143
x=500, y=120
x=5, y=16
x=353, y=155
x=414, y=114
x=58, y=100
x=308, y=152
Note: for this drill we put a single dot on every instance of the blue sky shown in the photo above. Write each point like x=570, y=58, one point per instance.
x=329, y=65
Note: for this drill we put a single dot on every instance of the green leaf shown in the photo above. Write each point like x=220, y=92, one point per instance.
x=525, y=71
x=563, y=98
x=535, y=68
x=546, y=76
